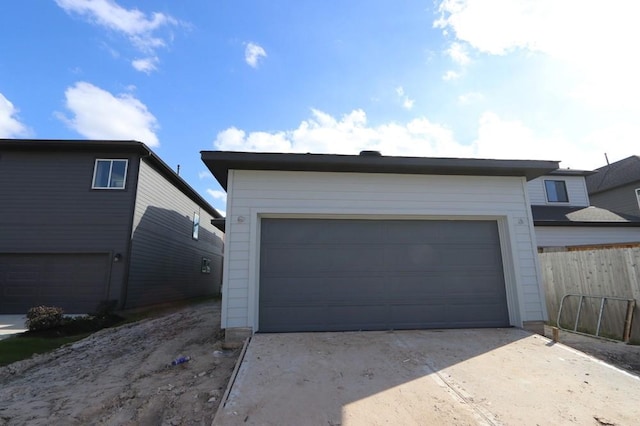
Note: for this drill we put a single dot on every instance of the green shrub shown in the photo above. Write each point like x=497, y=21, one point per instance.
x=44, y=318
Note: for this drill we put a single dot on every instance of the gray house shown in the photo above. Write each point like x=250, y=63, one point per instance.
x=564, y=218
x=86, y=221
x=367, y=242
x=617, y=186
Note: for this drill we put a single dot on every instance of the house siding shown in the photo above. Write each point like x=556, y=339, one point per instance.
x=567, y=236
x=255, y=194
x=622, y=199
x=165, y=260
x=48, y=207
x=576, y=190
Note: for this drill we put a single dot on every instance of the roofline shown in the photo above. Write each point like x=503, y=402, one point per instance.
x=543, y=223
x=609, y=188
x=84, y=145
x=572, y=172
x=220, y=162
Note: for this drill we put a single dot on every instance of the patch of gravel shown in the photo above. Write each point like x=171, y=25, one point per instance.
x=124, y=376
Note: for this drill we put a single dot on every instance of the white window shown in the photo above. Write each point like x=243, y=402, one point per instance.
x=556, y=191
x=109, y=174
x=196, y=226
x=638, y=196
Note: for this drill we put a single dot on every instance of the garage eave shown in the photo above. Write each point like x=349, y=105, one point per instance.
x=220, y=162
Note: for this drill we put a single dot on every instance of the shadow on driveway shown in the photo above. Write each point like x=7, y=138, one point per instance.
x=484, y=376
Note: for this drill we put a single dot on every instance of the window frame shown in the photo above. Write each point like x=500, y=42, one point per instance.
x=637, y=191
x=195, y=229
x=111, y=161
x=205, y=265
x=555, y=181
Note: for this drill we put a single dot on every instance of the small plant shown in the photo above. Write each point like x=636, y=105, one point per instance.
x=44, y=318
x=105, y=309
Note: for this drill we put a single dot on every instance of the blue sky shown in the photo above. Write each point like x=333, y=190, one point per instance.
x=520, y=79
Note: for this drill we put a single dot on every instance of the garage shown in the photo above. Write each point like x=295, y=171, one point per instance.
x=358, y=274
x=74, y=282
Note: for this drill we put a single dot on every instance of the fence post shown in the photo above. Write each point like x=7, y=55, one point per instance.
x=631, y=304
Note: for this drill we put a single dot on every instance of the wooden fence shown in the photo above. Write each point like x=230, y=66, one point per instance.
x=596, y=272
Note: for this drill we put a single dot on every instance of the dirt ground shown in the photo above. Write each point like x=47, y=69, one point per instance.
x=124, y=376
x=626, y=357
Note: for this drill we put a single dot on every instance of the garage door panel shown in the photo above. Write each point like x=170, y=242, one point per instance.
x=74, y=282
x=409, y=274
x=319, y=258
x=344, y=290
x=321, y=231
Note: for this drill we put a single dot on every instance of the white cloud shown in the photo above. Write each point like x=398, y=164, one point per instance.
x=451, y=75
x=350, y=134
x=146, y=65
x=217, y=194
x=513, y=139
x=496, y=138
x=10, y=125
x=97, y=114
x=407, y=103
x=458, y=53
x=595, y=39
x=470, y=98
x=252, y=54
x=140, y=28
x=205, y=174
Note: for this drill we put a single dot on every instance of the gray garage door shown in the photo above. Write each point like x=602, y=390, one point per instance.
x=74, y=282
x=330, y=275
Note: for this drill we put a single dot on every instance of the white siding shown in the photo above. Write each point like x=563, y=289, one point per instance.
x=565, y=236
x=256, y=194
x=576, y=190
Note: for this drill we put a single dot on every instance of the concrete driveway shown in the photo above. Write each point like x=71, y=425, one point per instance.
x=11, y=324
x=458, y=377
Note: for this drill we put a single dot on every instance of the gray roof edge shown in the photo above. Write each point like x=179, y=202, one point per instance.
x=222, y=161
x=572, y=172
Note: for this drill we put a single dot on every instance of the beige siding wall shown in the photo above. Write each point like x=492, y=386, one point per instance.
x=576, y=190
x=564, y=236
x=255, y=194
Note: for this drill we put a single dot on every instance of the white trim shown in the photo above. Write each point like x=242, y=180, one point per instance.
x=515, y=304
x=111, y=160
x=228, y=243
x=638, y=196
x=534, y=248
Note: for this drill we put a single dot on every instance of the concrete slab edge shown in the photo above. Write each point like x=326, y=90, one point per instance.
x=550, y=342
x=232, y=380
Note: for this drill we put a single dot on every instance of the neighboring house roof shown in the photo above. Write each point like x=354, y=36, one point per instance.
x=614, y=175
x=581, y=216
x=572, y=172
x=110, y=146
x=220, y=162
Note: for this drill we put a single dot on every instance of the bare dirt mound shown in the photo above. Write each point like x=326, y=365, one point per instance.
x=124, y=376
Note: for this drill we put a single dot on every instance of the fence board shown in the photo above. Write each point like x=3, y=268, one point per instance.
x=611, y=272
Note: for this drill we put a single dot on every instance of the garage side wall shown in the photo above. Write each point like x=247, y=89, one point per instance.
x=166, y=259
x=256, y=194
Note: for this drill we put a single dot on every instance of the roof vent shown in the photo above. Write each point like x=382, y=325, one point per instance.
x=370, y=153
